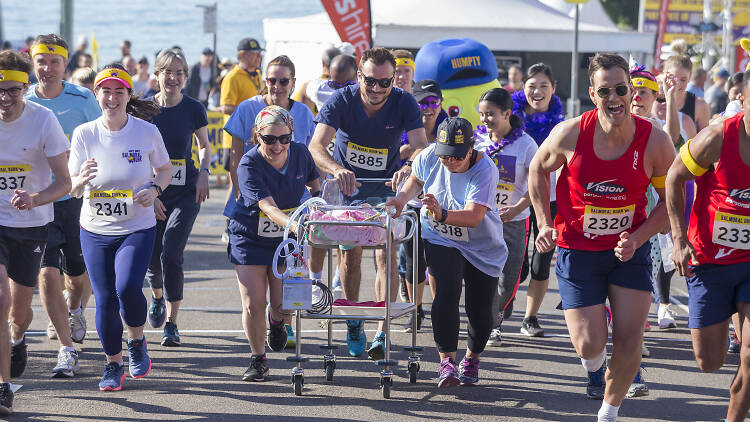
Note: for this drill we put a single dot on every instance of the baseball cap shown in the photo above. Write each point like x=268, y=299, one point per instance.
x=249, y=44
x=455, y=137
x=207, y=51
x=426, y=88
x=722, y=73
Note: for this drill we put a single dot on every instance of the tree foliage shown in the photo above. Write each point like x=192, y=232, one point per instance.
x=623, y=12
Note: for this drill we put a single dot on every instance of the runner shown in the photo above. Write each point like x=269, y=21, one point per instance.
x=117, y=219
x=503, y=139
x=713, y=253
x=463, y=239
x=271, y=177
x=315, y=92
x=368, y=120
x=541, y=110
x=680, y=67
x=73, y=105
x=608, y=157
x=404, y=70
x=33, y=144
x=181, y=118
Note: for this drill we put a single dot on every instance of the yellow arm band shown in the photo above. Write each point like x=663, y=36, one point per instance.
x=49, y=49
x=401, y=61
x=658, y=182
x=646, y=83
x=14, y=75
x=689, y=161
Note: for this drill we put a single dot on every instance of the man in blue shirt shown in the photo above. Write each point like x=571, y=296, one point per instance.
x=72, y=105
x=367, y=120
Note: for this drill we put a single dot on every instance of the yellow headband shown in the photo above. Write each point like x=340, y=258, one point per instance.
x=402, y=61
x=49, y=49
x=116, y=74
x=690, y=162
x=646, y=83
x=745, y=44
x=14, y=75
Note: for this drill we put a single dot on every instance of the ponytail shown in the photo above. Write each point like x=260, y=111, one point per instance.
x=142, y=109
x=515, y=121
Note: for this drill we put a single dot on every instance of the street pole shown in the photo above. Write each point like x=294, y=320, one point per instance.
x=66, y=21
x=215, y=62
x=707, y=12
x=573, y=103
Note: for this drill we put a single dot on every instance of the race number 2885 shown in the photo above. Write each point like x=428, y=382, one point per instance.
x=366, y=158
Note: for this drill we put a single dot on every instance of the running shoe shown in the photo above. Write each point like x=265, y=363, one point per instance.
x=51, y=333
x=355, y=337
x=420, y=318
x=496, y=337
x=276, y=337
x=644, y=350
x=18, y=358
x=638, y=387
x=157, y=312
x=377, y=347
x=666, y=317
x=468, y=371
x=595, y=387
x=67, y=364
x=77, y=326
x=734, y=343
x=225, y=236
x=258, y=369
x=530, y=327
x=403, y=293
x=448, y=375
x=171, y=337
x=114, y=375
x=139, y=362
x=291, y=339
x=6, y=399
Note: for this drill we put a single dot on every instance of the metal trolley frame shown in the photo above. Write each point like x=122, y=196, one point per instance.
x=329, y=359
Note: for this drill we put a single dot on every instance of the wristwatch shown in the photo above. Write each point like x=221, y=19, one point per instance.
x=207, y=170
x=408, y=163
x=158, y=188
x=443, y=216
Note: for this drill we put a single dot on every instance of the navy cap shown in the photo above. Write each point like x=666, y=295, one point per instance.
x=722, y=73
x=455, y=137
x=249, y=44
x=426, y=88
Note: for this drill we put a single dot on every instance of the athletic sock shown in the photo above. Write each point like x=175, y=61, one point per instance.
x=593, y=365
x=76, y=311
x=17, y=342
x=607, y=412
x=316, y=275
x=67, y=348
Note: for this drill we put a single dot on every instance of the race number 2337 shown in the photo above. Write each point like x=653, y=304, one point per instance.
x=13, y=177
x=603, y=221
x=366, y=158
x=731, y=230
x=111, y=205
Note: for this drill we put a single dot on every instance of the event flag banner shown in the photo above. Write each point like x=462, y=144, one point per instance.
x=352, y=20
x=215, y=126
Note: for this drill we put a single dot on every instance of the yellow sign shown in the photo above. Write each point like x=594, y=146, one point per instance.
x=215, y=128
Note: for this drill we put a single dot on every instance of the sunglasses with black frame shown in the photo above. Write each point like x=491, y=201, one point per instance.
x=384, y=83
x=282, y=81
x=271, y=139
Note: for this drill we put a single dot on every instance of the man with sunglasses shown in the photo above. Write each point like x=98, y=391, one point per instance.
x=608, y=158
x=343, y=72
x=367, y=120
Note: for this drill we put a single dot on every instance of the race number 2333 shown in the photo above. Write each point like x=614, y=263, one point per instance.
x=731, y=230
x=603, y=221
x=111, y=205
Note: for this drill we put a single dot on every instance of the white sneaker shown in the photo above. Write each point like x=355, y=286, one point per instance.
x=666, y=317
x=644, y=350
x=67, y=364
x=51, y=333
x=77, y=327
x=496, y=337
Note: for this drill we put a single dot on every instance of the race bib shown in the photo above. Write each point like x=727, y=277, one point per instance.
x=731, y=230
x=13, y=177
x=503, y=194
x=366, y=158
x=459, y=234
x=266, y=226
x=111, y=205
x=179, y=167
x=603, y=221
x=330, y=148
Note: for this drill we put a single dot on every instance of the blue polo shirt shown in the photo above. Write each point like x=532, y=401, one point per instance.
x=74, y=106
x=257, y=180
x=369, y=146
x=242, y=120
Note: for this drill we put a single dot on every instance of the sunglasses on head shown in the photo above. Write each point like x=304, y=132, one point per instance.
x=271, y=139
x=620, y=90
x=384, y=83
x=336, y=85
x=282, y=81
x=431, y=102
x=661, y=100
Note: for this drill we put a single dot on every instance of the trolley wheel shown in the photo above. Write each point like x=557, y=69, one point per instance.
x=330, y=367
x=298, y=381
x=413, y=371
x=385, y=384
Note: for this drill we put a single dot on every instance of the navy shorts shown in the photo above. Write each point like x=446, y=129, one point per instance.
x=583, y=277
x=245, y=251
x=714, y=291
x=64, y=239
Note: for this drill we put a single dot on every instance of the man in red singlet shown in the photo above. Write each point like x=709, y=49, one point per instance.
x=714, y=252
x=608, y=157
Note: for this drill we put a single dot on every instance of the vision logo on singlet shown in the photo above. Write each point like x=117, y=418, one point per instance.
x=178, y=172
x=366, y=158
x=111, y=205
x=13, y=177
x=604, y=188
x=731, y=230
x=267, y=228
x=739, y=197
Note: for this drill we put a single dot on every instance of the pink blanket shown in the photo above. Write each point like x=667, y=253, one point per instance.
x=352, y=235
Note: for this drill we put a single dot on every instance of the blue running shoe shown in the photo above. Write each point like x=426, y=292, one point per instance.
x=114, y=375
x=157, y=312
x=468, y=371
x=355, y=337
x=377, y=347
x=595, y=387
x=139, y=361
x=447, y=375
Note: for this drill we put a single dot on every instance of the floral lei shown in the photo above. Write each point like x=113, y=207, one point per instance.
x=538, y=125
x=495, y=147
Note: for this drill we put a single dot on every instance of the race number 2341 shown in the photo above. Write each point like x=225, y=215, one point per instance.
x=111, y=205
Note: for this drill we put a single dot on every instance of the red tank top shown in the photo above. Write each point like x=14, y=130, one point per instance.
x=598, y=199
x=719, y=227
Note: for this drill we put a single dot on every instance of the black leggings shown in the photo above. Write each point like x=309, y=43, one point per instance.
x=448, y=268
x=540, y=261
x=663, y=283
x=421, y=263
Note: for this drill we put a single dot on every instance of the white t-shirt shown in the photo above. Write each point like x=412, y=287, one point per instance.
x=125, y=159
x=513, y=168
x=319, y=92
x=26, y=143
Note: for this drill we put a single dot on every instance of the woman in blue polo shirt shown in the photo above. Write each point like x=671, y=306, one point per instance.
x=180, y=119
x=271, y=179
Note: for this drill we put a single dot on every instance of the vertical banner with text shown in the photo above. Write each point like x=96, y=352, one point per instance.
x=352, y=21
x=661, y=30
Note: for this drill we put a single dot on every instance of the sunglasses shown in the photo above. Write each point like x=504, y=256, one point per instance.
x=282, y=81
x=661, y=100
x=270, y=139
x=384, y=83
x=620, y=90
x=450, y=157
x=336, y=85
x=433, y=103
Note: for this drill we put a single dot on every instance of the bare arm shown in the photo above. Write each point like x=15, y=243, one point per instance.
x=702, y=113
x=269, y=207
x=688, y=126
x=673, y=119
x=323, y=136
x=417, y=141
x=204, y=155
x=56, y=190
x=471, y=216
x=411, y=188
x=235, y=155
x=227, y=108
